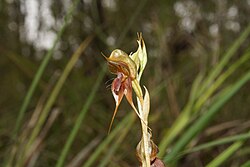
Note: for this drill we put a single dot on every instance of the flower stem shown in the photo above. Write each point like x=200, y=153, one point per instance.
x=145, y=148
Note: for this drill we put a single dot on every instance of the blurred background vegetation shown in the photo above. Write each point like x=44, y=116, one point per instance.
x=56, y=103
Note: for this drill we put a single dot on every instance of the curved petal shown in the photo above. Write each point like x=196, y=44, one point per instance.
x=128, y=94
x=118, y=93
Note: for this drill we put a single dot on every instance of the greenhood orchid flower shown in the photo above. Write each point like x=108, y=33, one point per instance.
x=124, y=67
x=128, y=70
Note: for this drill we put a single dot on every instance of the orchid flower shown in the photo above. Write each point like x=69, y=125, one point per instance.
x=124, y=67
x=128, y=70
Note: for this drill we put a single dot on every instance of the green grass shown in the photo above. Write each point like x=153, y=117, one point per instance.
x=202, y=122
x=42, y=68
x=220, y=141
x=209, y=94
x=80, y=118
x=203, y=90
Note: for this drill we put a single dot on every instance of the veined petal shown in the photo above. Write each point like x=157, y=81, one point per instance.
x=118, y=93
x=119, y=61
x=118, y=67
x=128, y=92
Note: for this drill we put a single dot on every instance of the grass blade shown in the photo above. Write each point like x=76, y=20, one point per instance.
x=57, y=88
x=183, y=119
x=220, y=80
x=225, y=154
x=205, y=119
x=116, y=144
x=53, y=96
x=246, y=164
x=79, y=120
x=41, y=69
x=220, y=142
x=51, y=99
x=226, y=57
x=130, y=117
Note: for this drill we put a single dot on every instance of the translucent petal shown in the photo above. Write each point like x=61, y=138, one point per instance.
x=118, y=93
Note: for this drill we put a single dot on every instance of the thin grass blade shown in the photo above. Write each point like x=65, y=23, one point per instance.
x=41, y=69
x=219, y=142
x=109, y=139
x=225, y=154
x=79, y=120
x=221, y=99
x=246, y=164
